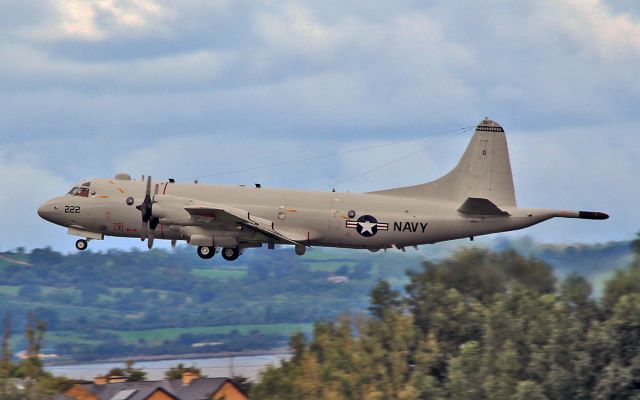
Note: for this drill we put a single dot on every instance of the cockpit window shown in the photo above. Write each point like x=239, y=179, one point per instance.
x=82, y=192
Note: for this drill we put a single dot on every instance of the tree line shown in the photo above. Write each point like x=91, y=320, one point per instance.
x=95, y=296
x=480, y=325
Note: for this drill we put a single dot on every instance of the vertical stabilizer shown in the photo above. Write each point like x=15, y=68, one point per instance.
x=484, y=171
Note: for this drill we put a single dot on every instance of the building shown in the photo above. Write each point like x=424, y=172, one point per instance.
x=190, y=387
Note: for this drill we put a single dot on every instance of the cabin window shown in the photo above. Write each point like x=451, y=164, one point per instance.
x=72, y=191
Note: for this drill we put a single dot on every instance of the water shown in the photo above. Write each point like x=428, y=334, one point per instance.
x=247, y=366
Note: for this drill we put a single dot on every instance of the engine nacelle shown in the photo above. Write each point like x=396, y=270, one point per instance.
x=170, y=210
x=171, y=215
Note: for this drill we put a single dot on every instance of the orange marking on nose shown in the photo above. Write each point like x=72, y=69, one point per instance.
x=120, y=190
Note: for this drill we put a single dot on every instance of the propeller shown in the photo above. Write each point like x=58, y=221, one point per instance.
x=149, y=222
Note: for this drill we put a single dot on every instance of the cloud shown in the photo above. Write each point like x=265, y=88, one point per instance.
x=579, y=168
x=245, y=160
x=180, y=87
x=96, y=20
x=26, y=187
x=610, y=37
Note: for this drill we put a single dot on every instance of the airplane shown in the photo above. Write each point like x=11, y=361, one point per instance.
x=476, y=198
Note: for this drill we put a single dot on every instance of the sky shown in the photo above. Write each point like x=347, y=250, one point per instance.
x=221, y=91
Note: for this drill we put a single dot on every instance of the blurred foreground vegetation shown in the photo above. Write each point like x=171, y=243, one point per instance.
x=26, y=379
x=479, y=325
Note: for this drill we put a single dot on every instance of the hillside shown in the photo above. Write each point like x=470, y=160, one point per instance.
x=128, y=303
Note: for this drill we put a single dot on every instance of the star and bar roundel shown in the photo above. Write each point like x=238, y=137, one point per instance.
x=367, y=225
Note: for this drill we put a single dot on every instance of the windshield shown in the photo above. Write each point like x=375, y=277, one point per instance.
x=80, y=190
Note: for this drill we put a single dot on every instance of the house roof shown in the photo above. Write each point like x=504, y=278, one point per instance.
x=198, y=389
x=61, y=396
x=127, y=390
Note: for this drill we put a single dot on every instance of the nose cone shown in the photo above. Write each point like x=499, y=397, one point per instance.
x=49, y=210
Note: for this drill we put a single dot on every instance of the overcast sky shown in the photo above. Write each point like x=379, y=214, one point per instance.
x=201, y=88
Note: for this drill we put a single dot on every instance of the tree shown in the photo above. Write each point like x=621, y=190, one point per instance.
x=502, y=378
x=635, y=245
x=45, y=256
x=297, y=345
x=117, y=371
x=623, y=329
x=625, y=281
x=507, y=335
x=5, y=360
x=177, y=371
x=529, y=390
x=134, y=374
x=575, y=289
x=383, y=299
x=465, y=377
x=34, y=335
x=614, y=383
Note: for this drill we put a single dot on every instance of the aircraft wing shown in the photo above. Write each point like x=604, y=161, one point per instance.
x=219, y=213
x=242, y=218
x=183, y=211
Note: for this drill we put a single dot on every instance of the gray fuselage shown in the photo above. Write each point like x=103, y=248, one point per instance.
x=312, y=217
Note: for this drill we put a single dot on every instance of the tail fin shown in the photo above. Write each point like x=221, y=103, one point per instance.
x=484, y=171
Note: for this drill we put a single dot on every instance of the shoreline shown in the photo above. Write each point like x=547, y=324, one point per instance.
x=169, y=357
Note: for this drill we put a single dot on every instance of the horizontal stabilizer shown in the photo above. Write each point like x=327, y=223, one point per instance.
x=479, y=206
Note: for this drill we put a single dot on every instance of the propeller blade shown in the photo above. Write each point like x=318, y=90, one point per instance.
x=173, y=243
x=147, y=204
x=153, y=222
x=143, y=231
x=150, y=240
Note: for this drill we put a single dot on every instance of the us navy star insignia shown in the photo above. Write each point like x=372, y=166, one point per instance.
x=367, y=225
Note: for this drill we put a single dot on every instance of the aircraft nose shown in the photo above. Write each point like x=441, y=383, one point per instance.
x=48, y=210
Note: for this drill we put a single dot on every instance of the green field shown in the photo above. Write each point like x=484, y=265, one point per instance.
x=55, y=337
x=328, y=265
x=9, y=290
x=159, y=335
x=235, y=273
